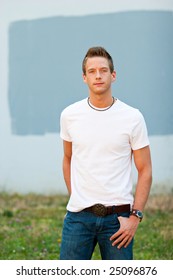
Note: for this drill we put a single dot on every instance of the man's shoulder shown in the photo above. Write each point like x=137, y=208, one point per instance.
x=125, y=106
x=74, y=106
x=129, y=110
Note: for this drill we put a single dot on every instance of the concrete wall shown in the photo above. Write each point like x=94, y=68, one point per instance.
x=43, y=46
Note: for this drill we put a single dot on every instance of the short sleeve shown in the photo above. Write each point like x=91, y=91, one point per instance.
x=139, y=136
x=64, y=127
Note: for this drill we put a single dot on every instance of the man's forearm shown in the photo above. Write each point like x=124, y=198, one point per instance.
x=67, y=173
x=142, y=189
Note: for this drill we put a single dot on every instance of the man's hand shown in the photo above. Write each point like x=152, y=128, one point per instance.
x=125, y=234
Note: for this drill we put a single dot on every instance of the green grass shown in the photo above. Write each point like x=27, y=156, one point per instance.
x=30, y=228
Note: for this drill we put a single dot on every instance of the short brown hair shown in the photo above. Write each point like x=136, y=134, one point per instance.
x=97, y=51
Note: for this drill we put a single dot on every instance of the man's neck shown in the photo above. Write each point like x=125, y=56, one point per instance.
x=100, y=101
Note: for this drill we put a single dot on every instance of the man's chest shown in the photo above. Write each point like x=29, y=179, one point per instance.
x=106, y=133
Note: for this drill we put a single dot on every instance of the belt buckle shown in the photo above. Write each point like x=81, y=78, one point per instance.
x=99, y=210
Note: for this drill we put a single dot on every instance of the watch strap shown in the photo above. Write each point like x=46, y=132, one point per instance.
x=137, y=213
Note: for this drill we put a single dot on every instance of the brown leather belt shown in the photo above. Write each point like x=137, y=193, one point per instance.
x=101, y=210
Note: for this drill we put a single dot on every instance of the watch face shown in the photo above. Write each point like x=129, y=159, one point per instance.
x=139, y=214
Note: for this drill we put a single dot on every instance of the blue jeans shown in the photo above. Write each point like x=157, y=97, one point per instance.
x=83, y=230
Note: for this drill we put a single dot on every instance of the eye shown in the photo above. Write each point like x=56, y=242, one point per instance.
x=91, y=71
x=104, y=70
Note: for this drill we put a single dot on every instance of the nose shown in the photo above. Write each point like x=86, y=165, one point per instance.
x=98, y=76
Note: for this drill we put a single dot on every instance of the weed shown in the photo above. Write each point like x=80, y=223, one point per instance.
x=31, y=227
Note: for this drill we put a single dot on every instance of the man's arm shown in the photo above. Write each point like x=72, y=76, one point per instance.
x=142, y=160
x=67, y=164
x=128, y=226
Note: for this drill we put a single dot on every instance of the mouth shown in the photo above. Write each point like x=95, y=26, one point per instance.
x=98, y=84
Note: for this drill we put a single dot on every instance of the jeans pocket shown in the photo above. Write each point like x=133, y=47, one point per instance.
x=124, y=214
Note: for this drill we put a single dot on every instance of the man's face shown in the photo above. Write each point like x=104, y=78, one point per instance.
x=98, y=76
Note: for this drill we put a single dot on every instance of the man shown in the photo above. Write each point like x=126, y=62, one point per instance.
x=100, y=135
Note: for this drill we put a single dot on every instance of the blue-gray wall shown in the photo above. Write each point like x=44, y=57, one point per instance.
x=45, y=75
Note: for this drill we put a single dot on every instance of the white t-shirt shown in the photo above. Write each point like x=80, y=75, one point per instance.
x=102, y=144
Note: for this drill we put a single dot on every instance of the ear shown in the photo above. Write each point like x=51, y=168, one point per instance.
x=114, y=76
x=84, y=78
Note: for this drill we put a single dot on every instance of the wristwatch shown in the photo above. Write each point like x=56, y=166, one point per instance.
x=137, y=213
